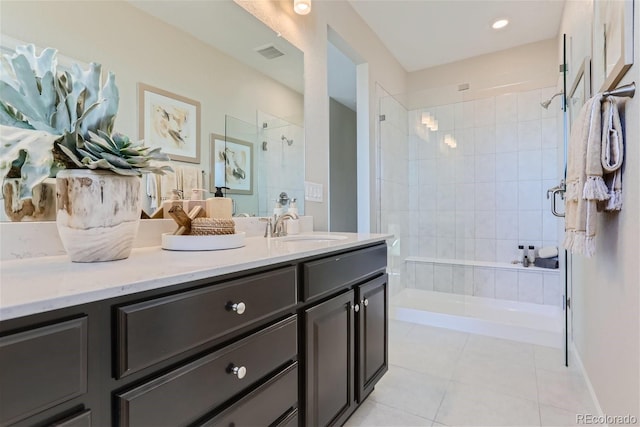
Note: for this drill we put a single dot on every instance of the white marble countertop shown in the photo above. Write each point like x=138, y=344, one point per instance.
x=36, y=285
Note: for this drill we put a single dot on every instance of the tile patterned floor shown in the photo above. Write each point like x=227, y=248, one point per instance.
x=439, y=377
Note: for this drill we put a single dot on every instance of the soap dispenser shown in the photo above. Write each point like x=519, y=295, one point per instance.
x=278, y=210
x=219, y=206
x=293, y=224
x=293, y=207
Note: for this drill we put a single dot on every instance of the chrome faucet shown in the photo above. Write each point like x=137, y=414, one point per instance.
x=275, y=225
x=279, y=229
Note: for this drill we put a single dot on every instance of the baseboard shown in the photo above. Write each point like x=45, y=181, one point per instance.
x=592, y=392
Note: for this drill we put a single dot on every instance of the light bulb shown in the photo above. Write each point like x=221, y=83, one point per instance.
x=302, y=7
x=500, y=23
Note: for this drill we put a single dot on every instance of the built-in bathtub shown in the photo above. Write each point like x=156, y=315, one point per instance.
x=503, y=281
x=501, y=300
x=532, y=323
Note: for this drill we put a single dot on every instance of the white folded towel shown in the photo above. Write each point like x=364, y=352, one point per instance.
x=612, y=154
x=547, y=252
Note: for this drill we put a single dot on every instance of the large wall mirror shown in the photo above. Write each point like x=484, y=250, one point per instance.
x=246, y=80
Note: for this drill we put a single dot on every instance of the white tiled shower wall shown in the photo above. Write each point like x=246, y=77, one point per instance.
x=475, y=202
x=281, y=165
x=480, y=200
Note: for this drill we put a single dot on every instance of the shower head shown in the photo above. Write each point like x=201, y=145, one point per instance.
x=288, y=141
x=545, y=104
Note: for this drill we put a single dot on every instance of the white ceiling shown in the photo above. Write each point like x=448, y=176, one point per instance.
x=425, y=33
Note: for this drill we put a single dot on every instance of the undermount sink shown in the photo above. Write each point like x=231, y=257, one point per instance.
x=312, y=237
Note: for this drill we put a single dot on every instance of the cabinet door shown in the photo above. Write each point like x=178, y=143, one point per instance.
x=329, y=356
x=372, y=336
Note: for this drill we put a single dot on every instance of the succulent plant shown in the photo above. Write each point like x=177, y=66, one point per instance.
x=117, y=153
x=51, y=120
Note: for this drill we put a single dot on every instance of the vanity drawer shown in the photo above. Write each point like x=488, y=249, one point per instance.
x=291, y=420
x=152, y=331
x=82, y=419
x=264, y=406
x=328, y=274
x=41, y=368
x=184, y=395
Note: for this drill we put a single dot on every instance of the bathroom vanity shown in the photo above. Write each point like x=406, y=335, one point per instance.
x=287, y=333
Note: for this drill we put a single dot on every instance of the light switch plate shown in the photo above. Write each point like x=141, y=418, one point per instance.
x=312, y=191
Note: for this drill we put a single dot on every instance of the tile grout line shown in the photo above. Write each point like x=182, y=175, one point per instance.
x=535, y=371
x=403, y=410
x=444, y=395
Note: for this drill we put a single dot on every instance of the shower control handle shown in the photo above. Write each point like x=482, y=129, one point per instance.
x=558, y=189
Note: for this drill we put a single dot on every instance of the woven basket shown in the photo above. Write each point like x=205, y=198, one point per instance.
x=212, y=226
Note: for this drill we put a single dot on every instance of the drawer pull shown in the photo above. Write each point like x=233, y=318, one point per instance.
x=355, y=307
x=239, y=371
x=365, y=302
x=238, y=307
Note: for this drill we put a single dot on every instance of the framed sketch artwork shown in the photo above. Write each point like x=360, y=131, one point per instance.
x=232, y=164
x=612, y=41
x=169, y=121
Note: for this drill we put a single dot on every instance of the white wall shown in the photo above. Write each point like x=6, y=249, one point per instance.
x=140, y=48
x=519, y=69
x=606, y=288
x=309, y=33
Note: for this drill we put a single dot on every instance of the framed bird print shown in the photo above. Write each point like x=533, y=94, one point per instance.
x=232, y=164
x=169, y=121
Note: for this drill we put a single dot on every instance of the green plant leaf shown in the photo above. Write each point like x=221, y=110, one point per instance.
x=71, y=155
x=116, y=161
x=46, y=62
x=9, y=118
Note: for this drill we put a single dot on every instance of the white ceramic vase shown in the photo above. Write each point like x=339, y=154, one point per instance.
x=98, y=213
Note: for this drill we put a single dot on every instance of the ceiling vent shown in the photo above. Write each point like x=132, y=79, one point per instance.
x=269, y=51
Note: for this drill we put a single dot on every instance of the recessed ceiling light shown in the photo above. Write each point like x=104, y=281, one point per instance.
x=302, y=7
x=500, y=23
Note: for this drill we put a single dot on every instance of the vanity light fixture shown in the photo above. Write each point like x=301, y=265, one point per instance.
x=500, y=23
x=302, y=7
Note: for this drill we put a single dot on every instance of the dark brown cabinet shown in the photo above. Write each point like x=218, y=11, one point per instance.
x=330, y=361
x=41, y=368
x=154, y=330
x=346, y=348
x=182, y=396
x=300, y=343
x=372, y=320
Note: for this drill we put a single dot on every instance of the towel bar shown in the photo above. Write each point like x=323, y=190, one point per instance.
x=623, y=91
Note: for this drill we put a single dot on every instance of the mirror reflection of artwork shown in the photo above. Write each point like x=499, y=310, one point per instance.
x=580, y=90
x=612, y=41
x=170, y=125
x=171, y=122
x=232, y=162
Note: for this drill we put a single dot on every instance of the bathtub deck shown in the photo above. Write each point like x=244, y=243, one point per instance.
x=530, y=323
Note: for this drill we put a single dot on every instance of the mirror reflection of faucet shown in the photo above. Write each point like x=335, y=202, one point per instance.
x=282, y=199
x=276, y=225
